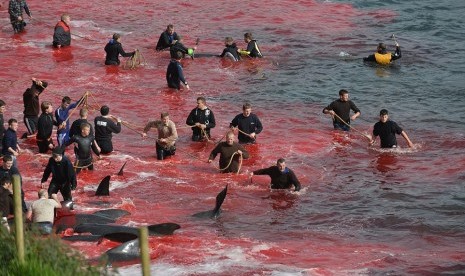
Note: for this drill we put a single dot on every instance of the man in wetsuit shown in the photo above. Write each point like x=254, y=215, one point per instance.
x=167, y=38
x=175, y=74
x=167, y=135
x=231, y=51
x=252, y=47
x=62, y=32
x=340, y=109
x=178, y=46
x=387, y=130
x=382, y=56
x=230, y=152
x=202, y=120
x=114, y=49
x=15, y=9
x=281, y=176
x=104, y=127
x=64, y=177
x=248, y=125
x=31, y=105
x=84, y=144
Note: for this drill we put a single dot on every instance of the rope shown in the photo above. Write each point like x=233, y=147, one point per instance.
x=74, y=109
x=351, y=127
x=229, y=164
x=134, y=61
x=245, y=133
x=82, y=167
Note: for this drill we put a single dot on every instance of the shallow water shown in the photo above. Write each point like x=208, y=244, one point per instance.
x=362, y=211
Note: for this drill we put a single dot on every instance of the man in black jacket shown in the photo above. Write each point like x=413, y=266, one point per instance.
x=114, y=49
x=167, y=38
x=202, y=120
x=31, y=105
x=281, y=176
x=340, y=109
x=64, y=177
x=247, y=124
x=104, y=127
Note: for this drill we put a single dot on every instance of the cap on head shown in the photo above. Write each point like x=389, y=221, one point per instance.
x=383, y=112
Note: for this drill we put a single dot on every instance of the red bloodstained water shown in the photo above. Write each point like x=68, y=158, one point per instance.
x=317, y=231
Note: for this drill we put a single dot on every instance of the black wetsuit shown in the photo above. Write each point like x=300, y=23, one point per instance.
x=232, y=49
x=342, y=109
x=280, y=180
x=104, y=127
x=113, y=50
x=44, y=132
x=63, y=179
x=387, y=133
x=396, y=55
x=205, y=117
x=76, y=127
x=165, y=40
x=178, y=47
x=32, y=106
x=82, y=149
x=14, y=171
x=174, y=75
x=252, y=48
x=248, y=125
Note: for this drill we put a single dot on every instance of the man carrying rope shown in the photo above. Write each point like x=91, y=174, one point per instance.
x=281, y=176
x=340, y=110
x=247, y=124
x=104, y=127
x=62, y=117
x=167, y=135
x=202, y=120
x=84, y=144
x=230, y=152
x=114, y=49
x=64, y=177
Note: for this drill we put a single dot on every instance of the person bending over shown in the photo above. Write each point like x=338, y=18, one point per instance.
x=281, y=176
x=114, y=49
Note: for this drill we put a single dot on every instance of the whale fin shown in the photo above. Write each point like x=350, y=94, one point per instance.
x=104, y=187
x=121, y=171
x=163, y=229
x=215, y=212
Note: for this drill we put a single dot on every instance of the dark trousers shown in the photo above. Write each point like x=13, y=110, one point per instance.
x=106, y=146
x=83, y=164
x=31, y=123
x=43, y=145
x=62, y=187
x=163, y=152
x=341, y=126
x=18, y=26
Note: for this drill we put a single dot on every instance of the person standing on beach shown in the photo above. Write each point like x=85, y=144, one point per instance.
x=340, y=110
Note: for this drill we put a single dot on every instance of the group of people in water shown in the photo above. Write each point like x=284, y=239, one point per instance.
x=98, y=138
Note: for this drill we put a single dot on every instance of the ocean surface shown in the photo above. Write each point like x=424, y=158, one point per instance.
x=362, y=210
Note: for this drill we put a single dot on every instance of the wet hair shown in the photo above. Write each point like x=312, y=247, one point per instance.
x=4, y=180
x=164, y=115
x=104, y=110
x=381, y=48
x=246, y=106
x=343, y=92
x=66, y=99
x=383, y=112
x=83, y=112
x=41, y=193
x=116, y=36
x=11, y=121
x=2, y=103
x=170, y=27
x=84, y=125
x=248, y=36
x=202, y=99
x=7, y=158
x=178, y=55
x=45, y=105
x=280, y=161
x=228, y=40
